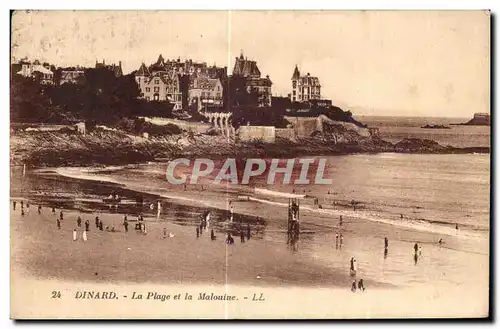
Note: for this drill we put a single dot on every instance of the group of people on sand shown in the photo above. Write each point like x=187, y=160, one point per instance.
x=14, y=205
x=353, y=269
x=205, y=224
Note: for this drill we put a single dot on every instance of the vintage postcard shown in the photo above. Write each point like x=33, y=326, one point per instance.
x=250, y=164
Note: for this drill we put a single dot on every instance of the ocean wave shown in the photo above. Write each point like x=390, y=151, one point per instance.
x=414, y=224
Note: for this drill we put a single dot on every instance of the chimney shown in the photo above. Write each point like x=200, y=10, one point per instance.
x=120, y=63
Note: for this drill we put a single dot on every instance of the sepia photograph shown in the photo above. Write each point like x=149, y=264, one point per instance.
x=236, y=164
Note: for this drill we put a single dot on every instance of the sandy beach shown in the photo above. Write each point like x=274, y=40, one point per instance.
x=170, y=257
x=45, y=259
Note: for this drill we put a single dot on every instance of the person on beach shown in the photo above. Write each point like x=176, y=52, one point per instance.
x=27, y=207
x=340, y=221
x=231, y=214
x=164, y=232
x=361, y=285
x=420, y=250
x=124, y=219
x=58, y=224
x=386, y=243
x=386, y=251
x=100, y=225
x=352, y=264
x=229, y=239
x=336, y=240
x=79, y=222
x=39, y=209
x=61, y=215
x=456, y=227
x=14, y=204
x=84, y=235
x=53, y=211
x=125, y=224
x=97, y=221
x=341, y=240
x=440, y=241
x=353, y=286
x=401, y=216
x=248, y=232
x=74, y=234
x=197, y=232
x=87, y=225
x=212, y=235
x=415, y=248
x=242, y=237
x=22, y=204
x=185, y=186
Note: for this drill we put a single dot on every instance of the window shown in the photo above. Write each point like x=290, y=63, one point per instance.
x=157, y=89
x=294, y=93
x=157, y=97
x=294, y=84
x=147, y=98
x=148, y=89
x=293, y=98
x=218, y=95
x=157, y=81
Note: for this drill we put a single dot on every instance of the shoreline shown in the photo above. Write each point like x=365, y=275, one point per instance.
x=43, y=257
x=196, y=260
x=52, y=149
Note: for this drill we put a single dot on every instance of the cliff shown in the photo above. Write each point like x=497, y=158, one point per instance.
x=479, y=119
x=114, y=147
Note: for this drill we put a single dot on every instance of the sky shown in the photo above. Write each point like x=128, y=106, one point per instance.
x=395, y=63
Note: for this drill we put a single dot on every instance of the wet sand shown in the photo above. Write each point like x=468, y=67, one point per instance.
x=292, y=285
x=41, y=250
x=443, y=275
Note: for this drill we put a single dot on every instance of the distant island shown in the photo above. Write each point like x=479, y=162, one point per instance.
x=479, y=119
x=435, y=127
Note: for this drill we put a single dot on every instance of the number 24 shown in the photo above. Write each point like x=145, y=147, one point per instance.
x=56, y=294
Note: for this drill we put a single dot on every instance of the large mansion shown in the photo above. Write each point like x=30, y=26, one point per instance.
x=161, y=82
x=253, y=82
x=304, y=88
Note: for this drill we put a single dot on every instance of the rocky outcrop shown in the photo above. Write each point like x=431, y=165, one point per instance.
x=417, y=145
x=479, y=119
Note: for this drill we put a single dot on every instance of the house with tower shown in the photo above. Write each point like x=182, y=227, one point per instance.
x=304, y=87
x=254, y=83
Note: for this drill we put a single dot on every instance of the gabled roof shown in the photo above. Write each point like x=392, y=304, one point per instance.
x=143, y=70
x=166, y=77
x=309, y=80
x=203, y=83
x=296, y=73
x=160, y=60
x=263, y=82
x=246, y=68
